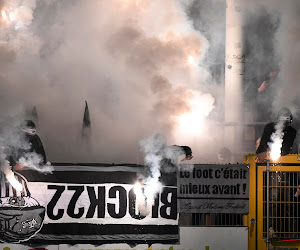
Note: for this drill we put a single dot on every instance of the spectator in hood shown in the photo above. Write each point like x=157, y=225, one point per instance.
x=289, y=133
x=22, y=156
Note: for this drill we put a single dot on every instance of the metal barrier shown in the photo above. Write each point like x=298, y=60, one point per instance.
x=274, y=212
x=283, y=205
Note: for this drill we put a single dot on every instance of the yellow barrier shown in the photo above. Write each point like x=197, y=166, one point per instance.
x=284, y=207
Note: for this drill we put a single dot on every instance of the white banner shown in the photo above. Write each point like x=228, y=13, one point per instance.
x=44, y=193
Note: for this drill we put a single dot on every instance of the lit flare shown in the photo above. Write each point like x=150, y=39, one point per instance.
x=200, y=105
x=12, y=180
x=4, y=15
x=191, y=60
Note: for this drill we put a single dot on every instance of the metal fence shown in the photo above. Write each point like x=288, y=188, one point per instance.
x=284, y=220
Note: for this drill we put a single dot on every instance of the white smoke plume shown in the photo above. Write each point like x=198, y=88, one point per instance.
x=276, y=141
x=34, y=161
x=158, y=155
x=153, y=148
x=135, y=62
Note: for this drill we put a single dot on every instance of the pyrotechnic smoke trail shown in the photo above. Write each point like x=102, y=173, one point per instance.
x=276, y=141
x=153, y=148
x=33, y=161
x=152, y=183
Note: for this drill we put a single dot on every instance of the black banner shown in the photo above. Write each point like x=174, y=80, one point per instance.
x=94, y=205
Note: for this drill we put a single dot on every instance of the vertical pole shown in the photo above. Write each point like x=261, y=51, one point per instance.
x=234, y=75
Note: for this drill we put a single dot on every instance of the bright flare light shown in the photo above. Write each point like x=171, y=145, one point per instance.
x=4, y=16
x=190, y=122
x=141, y=199
x=275, y=154
x=138, y=190
x=276, y=148
x=12, y=180
x=276, y=141
x=200, y=106
x=191, y=60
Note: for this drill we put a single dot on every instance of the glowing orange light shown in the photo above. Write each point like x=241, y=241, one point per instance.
x=4, y=15
x=275, y=154
x=192, y=122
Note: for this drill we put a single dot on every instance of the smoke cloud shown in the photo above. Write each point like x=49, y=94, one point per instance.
x=135, y=62
x=138, y=64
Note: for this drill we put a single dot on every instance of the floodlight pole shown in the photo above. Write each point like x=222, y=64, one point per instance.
x=234, y=74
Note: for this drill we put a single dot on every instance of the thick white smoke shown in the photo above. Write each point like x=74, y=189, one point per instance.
x=33, y=161
x=153, y=148
x=136, y=63
x=276, y=141
x=133, y=61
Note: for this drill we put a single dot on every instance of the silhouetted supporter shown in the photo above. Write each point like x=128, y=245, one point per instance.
x=30, y=150
x=283, y=124
x=260, y=93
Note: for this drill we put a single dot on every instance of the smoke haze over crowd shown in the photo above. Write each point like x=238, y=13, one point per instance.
x=138, y=64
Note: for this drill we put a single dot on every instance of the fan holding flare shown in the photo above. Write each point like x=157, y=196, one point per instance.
x=277, y=138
